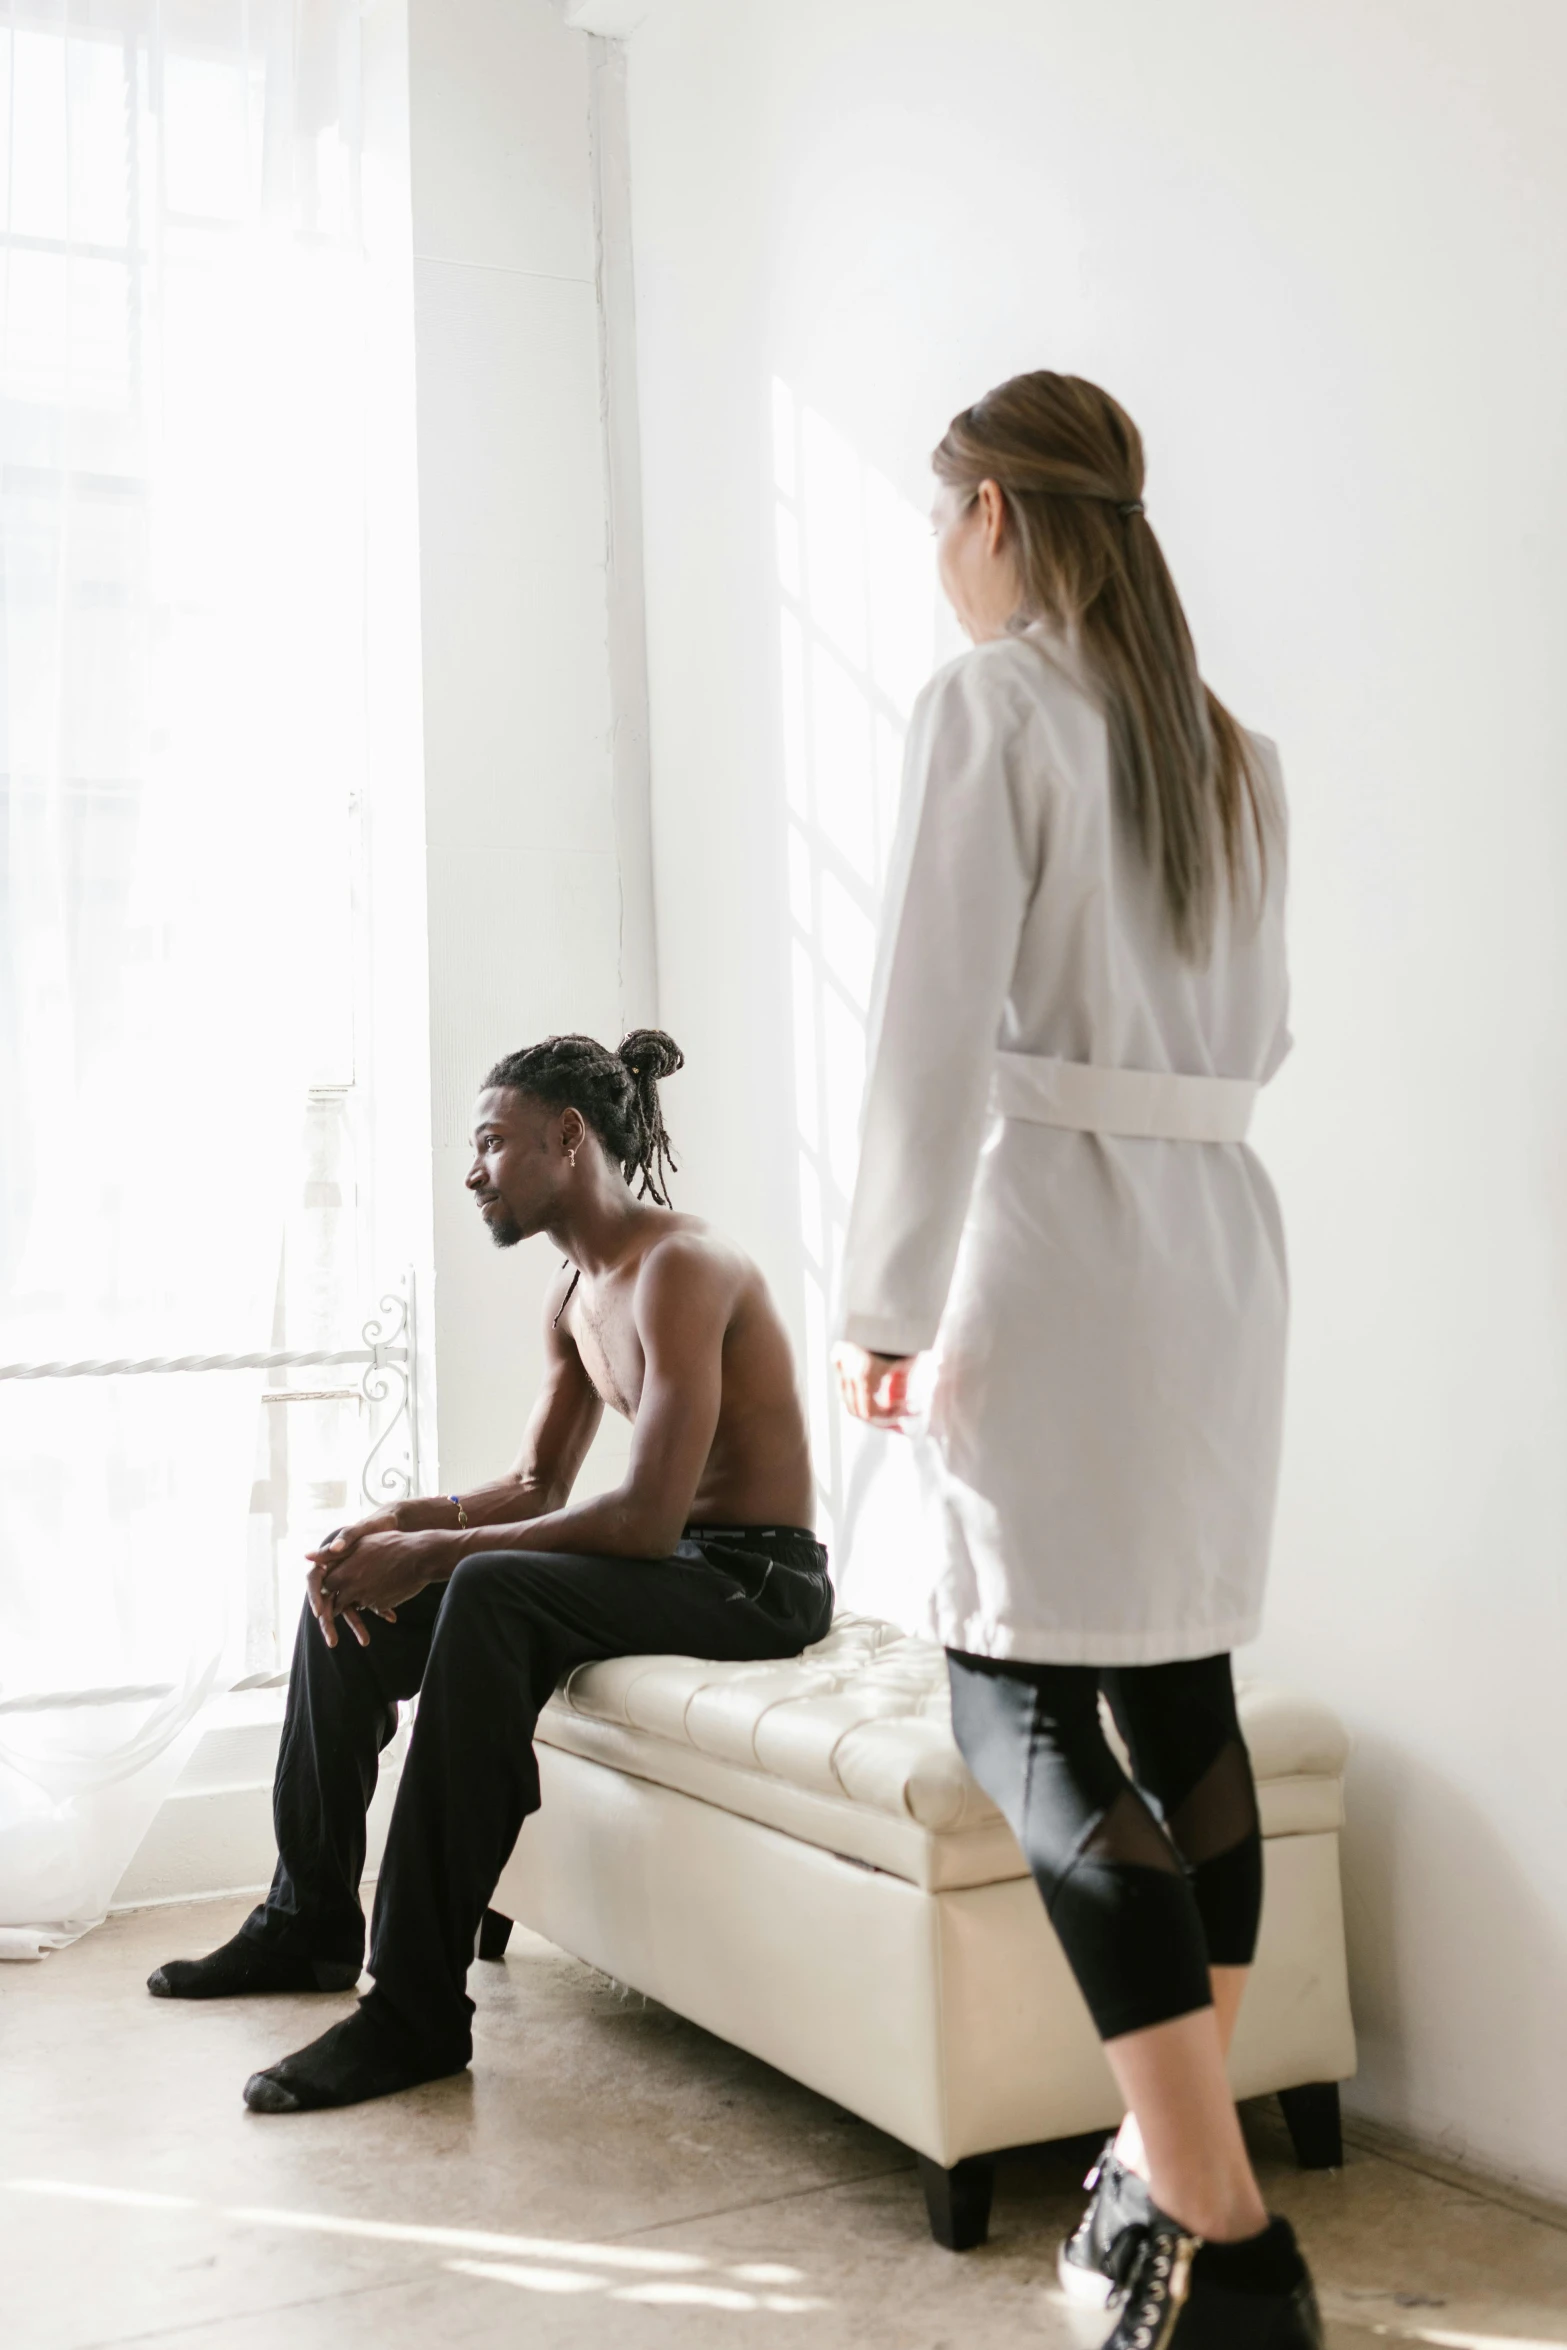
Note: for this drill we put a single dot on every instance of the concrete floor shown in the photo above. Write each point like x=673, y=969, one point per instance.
x=607, y=2175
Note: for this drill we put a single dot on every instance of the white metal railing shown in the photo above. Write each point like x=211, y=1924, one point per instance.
x=388, y=1377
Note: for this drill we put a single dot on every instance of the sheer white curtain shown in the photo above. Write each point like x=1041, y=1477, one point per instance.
x=181, y=533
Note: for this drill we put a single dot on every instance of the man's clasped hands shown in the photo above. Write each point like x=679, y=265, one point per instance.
x=369, y=1569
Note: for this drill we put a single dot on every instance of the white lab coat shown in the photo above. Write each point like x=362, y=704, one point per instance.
x=1108, y=1303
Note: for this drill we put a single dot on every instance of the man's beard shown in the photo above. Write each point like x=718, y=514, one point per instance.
x=503, y=1231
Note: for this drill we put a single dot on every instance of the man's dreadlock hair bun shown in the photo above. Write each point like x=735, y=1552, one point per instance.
x=616, y=1093
x=649, y=1056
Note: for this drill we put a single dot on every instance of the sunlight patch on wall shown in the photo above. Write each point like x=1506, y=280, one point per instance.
x=860, y=630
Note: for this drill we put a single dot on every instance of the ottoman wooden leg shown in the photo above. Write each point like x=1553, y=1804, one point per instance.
x=958, y=2200
x=494, y=1934
x=1311, y=2115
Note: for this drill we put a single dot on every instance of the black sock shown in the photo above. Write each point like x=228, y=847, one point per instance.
x=245, y=1966
x=366, y=2055
x=1266, y=2263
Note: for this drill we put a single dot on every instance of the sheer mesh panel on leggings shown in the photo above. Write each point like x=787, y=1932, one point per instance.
x=1128, y=1836
x=1126, y=1913
x=1217, y=1833
x=1221, y=1810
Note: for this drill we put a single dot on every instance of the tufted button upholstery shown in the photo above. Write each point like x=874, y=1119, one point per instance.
x=850, y=1746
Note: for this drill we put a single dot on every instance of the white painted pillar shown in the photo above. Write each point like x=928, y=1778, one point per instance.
x=528, y=789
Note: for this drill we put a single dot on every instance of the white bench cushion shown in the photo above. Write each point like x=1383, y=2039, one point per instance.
x=850, y=1747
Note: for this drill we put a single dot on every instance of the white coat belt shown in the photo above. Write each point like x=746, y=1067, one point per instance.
x=1152, y=1104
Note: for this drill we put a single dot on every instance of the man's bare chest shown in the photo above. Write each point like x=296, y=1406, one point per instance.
x=606, y=1339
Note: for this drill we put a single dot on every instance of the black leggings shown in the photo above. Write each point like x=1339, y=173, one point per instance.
x=1148, y=1885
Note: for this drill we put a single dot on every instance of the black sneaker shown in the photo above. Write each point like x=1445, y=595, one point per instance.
x=1118, y=2200
x=1183, y=2294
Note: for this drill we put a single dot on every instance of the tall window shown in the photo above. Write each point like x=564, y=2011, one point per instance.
x=182, y=388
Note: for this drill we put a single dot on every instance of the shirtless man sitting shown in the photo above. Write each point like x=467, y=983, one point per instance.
x=482, y=1601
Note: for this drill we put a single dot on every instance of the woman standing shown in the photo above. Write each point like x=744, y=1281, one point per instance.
x=1081, y=988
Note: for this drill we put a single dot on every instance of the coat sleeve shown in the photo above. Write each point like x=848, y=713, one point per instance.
x=964, y=868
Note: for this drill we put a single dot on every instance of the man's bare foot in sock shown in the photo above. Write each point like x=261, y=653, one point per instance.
x=367, y=2055
x=243, y=1967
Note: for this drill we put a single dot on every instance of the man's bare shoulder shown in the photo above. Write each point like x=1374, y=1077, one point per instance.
x=691, y=1250
x=693, y=1279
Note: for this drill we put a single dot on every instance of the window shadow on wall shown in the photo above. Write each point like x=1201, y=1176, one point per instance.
x=861, y=627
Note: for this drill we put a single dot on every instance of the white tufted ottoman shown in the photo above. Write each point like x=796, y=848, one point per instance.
x=795, y=1857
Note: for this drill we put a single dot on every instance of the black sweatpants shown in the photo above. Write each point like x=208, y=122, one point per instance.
x=485, y=1650
x=1148, y=1884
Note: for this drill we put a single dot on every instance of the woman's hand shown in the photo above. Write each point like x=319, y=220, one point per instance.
x=874, y=1388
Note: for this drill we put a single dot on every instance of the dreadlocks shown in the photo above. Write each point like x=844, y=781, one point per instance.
x=616, y=1094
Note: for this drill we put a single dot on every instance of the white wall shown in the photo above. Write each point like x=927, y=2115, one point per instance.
x=521, y=773
x=1316, y=250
